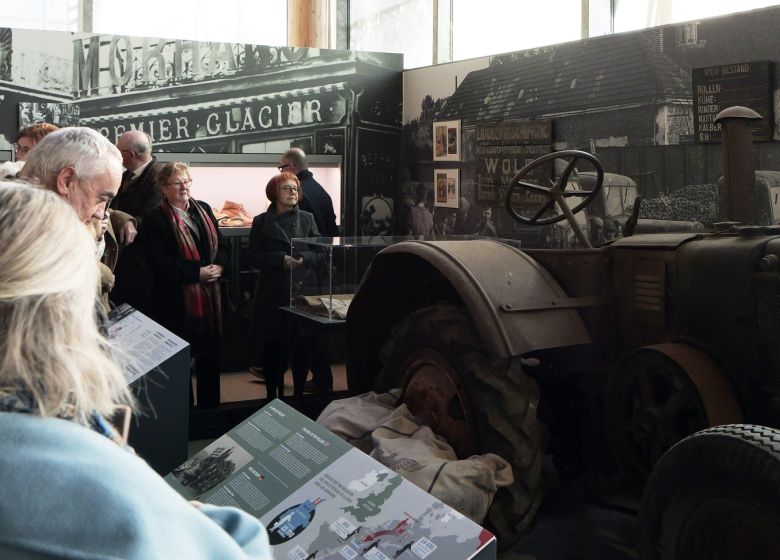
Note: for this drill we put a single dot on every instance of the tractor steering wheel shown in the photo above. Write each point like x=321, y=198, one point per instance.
x=555, y=194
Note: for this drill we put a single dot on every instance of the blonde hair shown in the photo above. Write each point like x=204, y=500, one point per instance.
x=50, y=345
x=169, y=170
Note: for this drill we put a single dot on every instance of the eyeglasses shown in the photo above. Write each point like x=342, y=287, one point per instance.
x=288, y=188
x=283, y=167
x=22, y=149
x=184, y=183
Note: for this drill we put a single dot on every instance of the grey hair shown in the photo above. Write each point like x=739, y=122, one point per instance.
x=87, y=151
x=50, y=346
x=139, y=141
x=297, y=157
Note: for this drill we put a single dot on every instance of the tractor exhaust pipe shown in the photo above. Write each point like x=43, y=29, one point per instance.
x=738, y=171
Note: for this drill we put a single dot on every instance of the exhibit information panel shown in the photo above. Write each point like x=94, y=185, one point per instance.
x=317, y=495
x=145, y=344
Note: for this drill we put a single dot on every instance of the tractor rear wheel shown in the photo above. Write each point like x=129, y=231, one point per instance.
x=479, y=403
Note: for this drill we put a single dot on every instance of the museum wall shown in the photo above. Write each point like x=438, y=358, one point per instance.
x=202, y=97
x=628, y=98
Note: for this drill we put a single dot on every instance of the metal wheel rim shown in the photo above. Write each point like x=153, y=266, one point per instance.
x=663, y=407
x=727, y=528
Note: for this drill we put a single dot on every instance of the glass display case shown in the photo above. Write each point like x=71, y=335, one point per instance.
x=331, y=270
x=322, y=287
x=234, y=184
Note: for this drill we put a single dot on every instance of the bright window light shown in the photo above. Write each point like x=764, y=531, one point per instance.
x=229, y=21
x=640, y=14
x=50, y=15
x=498, y=26
x=400, y=26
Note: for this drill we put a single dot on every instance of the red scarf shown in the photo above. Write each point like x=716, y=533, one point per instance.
x=202, y=302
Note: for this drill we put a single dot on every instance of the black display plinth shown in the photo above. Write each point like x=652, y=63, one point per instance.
x=158, y=370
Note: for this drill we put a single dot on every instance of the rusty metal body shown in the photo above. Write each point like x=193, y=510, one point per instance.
x=707, y=290
x=661, y=335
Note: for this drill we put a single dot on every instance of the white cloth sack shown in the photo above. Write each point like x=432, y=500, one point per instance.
x=354, y=418
x=395, y=438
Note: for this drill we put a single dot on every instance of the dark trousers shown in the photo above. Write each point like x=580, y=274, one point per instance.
x=310, y=353
x=207, y=374
x=275, y=359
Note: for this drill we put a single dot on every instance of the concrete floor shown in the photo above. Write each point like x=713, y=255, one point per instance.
x=572, y=526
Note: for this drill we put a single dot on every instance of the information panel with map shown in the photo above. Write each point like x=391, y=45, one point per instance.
x=321, y=498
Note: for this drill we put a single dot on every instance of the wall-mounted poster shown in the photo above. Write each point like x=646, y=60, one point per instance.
x=446, y=141
x=447, y=188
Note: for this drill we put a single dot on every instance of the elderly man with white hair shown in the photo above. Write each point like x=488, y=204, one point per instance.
x=85, y=169
x=80, y=165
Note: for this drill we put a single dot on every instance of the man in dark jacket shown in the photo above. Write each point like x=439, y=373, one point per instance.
x=138, y=195
x=315, y=199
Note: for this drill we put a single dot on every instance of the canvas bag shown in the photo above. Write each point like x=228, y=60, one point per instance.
x=395, y=437
x=354, y=418
x=427, y=460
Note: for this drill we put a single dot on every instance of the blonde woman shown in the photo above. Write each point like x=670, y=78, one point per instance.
x=68, y=486
x=187, y=256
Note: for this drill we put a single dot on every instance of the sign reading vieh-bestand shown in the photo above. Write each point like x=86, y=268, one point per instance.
x=748, y=84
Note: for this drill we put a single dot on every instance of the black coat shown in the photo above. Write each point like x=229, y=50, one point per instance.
x=317, y=202
x=269, y=242
x=142, y=195
x=133, y=282
x=170, y=270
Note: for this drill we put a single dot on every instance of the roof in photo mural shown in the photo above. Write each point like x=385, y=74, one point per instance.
x=592, y=74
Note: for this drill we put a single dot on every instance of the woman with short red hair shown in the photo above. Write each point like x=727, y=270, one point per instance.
x=270, y=252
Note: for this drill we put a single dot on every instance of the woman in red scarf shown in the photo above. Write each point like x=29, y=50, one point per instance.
x=188, y=255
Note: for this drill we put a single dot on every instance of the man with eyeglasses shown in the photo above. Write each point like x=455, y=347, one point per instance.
x=81, y=166
x=316, y=200
x=137, y=193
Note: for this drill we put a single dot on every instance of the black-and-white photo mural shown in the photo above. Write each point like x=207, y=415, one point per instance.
x=643, y=102
x=208, y=97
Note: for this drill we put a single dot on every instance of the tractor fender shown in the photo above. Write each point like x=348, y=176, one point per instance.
x=516, y=305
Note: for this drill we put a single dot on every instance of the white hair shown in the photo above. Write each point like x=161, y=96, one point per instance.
x=87, y=151
x=50, y=345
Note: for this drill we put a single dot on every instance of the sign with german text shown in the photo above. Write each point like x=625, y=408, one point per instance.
x=497, y=166
x=748, y=84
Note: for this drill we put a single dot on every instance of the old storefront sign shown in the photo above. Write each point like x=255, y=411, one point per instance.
x=502, y=149
x=114, y=63
x=288, y=110
x=715, y=88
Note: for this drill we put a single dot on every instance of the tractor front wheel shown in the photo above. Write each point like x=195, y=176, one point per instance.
x=479, y=403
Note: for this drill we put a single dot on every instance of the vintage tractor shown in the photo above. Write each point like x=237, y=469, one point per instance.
x=639, y=343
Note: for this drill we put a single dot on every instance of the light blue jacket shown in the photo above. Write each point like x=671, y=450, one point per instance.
x=68, y=492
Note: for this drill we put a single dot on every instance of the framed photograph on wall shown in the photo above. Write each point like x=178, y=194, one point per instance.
x=446, y=141
x=447, y=184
